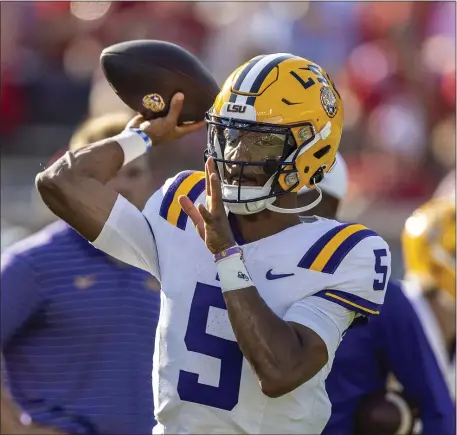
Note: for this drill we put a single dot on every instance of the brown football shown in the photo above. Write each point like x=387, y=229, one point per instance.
x=145, y=74
x=384, y=413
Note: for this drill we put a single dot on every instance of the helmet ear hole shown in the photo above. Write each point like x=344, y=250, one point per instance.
x=317, y=177
x=322, y=152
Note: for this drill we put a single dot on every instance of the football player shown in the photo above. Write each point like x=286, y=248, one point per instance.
x=429, y=253
x=254, y=302
x=394, y=342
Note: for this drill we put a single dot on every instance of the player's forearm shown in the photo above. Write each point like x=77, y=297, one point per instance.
x=281, y=359
x=100, y=161
x=74, y=188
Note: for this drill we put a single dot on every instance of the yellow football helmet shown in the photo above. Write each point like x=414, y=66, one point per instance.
x=429, y=245
x=289, y=107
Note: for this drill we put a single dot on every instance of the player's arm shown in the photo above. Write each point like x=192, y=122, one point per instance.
x=285, y=352
x=74, y=187
x=409, y=355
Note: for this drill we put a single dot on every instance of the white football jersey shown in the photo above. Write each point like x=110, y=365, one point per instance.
x=319, y=274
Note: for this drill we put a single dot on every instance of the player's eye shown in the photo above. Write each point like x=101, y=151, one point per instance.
x=271, y=140
x=231, y=135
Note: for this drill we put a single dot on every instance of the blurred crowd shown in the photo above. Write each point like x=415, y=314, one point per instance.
x=393, y=62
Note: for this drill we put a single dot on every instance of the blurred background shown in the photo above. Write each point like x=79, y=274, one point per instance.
x=393, y=63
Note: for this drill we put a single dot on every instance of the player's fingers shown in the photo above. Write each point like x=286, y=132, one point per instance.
x=135, y=122
x=216, y=194
x=217, y=205
x=175, y=108
x=207, y=180
x=195, y=216
x=205, y=214
x=189, y=208
x=189, y=128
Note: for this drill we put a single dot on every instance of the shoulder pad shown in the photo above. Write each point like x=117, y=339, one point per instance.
x=327, y=253
x=187, y=183
x=359, y=261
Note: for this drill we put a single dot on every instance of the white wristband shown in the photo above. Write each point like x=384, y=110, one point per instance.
x=134, y=143
x=233, y=274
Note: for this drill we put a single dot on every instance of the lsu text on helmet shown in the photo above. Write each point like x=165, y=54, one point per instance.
x=279, y=115
x=285, y=114
x=429, y=245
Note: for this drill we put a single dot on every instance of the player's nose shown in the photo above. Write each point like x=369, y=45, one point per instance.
x=239, y=153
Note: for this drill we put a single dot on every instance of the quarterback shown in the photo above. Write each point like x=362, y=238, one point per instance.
x=254, y=302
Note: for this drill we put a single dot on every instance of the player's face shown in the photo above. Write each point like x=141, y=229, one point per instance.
x=248, y=146
x=134, y=181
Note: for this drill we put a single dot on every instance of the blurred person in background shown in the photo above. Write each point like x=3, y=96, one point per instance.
x=396, y=342
x=429, y=253
x=77, y=325
x=446, y=188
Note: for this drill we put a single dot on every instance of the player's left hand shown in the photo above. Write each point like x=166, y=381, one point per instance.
x=211, y=222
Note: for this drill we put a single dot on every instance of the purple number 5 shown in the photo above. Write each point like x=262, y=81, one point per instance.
x=380, y=268
x=225, y=396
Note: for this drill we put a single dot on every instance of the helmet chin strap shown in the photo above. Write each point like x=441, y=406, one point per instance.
x=299, y=209
x=267, y=204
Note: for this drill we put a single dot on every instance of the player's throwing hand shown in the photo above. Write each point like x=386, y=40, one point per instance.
x=211, y=222
x=165, y=129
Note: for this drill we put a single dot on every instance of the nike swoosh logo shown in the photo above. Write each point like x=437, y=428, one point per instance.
x=270, y=276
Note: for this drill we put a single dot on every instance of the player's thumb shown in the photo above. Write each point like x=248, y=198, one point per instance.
x=135, y=122
x=175, y=107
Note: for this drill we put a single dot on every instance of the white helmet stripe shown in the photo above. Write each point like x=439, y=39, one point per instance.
x=258, y=70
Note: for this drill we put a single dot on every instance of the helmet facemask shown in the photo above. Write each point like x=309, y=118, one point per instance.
x=247, y=151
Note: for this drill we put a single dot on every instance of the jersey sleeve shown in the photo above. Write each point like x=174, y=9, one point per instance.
x=128, y=236
x=326, y=319
x=357, y=264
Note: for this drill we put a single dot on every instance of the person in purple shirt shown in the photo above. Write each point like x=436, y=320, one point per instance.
x=393, y=343
x=78, y=326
